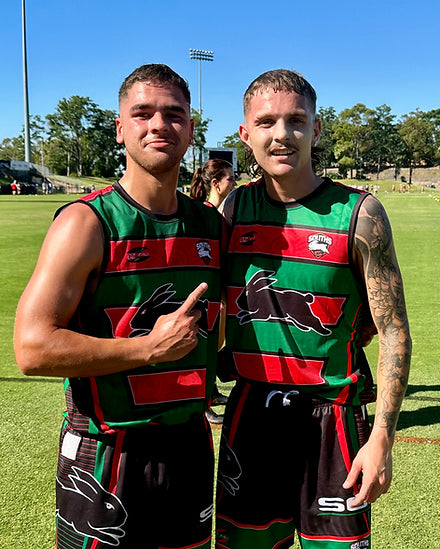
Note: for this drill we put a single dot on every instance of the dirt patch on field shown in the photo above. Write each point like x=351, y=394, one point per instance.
x=418, y=440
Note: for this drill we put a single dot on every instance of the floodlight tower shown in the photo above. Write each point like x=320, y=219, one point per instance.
x=27, y=133
x=201, y=55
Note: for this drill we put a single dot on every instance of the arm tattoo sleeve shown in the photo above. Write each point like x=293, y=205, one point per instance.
x=384, y=285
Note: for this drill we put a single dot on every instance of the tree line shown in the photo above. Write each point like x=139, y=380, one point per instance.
x=79, y=138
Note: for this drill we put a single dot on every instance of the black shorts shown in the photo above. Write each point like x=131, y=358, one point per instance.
x=283, y=460
x=140, y=488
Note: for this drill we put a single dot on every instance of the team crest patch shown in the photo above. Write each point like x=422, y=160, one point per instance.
x=204, y=251
x=135, y=255
x=319, y=244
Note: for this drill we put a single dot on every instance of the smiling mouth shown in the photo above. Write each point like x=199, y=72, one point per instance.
x=159, y=142
x=282, y=152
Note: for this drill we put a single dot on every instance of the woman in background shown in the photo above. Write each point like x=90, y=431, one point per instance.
x=213, y=182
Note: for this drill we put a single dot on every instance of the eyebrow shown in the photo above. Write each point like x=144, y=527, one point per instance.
x=148, y=106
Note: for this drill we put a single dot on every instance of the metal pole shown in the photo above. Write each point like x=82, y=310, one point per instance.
x=27, y=136
x=201, y=55
x=200, y=88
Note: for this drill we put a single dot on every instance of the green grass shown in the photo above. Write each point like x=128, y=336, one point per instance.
x=30, y=408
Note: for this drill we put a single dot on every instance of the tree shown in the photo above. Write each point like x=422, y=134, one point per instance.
x=384, y=139
x=12, y=148
x=326, y=154
x=108, y=155
x=419, y=139
x=352, y=136
x=70, y=124
x=433, y=118
x=242, y=156
x=199, y=137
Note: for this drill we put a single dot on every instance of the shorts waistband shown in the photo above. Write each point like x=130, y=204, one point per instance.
x=292, y=398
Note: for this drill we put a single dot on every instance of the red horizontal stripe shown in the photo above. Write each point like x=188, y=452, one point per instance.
x=349, y=539
x=131, y=255
x=289, y=242
x=120, y=318
x=159, y=387
x=279, y=369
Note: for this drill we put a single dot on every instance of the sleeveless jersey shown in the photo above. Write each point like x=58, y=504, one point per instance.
x=151, y=264
x=294, y=298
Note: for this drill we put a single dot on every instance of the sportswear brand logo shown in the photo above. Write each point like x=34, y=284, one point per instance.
x=319, y=244
x=204, y=250
x=247, y=239
x=135, y=255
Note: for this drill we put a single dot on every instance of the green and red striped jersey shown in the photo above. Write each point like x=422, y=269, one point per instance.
x=294, y=299
x=152, y=262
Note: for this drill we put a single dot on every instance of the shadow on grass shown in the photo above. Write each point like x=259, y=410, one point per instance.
x=421, y=417
x=33, y=379
x=412, y=392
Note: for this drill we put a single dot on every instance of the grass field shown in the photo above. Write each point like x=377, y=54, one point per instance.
x=30, y=411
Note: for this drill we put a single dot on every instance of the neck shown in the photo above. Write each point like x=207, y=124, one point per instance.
x=290, y=189
x=156, y=193
x=215, y=199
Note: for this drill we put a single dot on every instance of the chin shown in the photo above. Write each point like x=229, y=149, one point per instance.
x=280, y=171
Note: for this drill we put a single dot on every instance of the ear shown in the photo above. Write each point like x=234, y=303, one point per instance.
x=316, y=132
x=244, y=136
x=191, y=137
x=119, y=131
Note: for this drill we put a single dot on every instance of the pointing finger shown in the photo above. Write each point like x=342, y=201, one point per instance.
x=191, y=301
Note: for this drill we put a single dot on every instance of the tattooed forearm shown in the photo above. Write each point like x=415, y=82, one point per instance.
x=383, y=281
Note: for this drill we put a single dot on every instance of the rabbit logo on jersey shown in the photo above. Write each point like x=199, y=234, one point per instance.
x=102, y=514
x=261, y=300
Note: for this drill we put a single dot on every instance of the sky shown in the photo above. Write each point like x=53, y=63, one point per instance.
x=373, y=52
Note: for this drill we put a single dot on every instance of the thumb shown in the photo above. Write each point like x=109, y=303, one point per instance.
x=191, y=301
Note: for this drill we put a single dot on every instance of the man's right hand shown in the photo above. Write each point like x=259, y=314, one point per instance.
x=175, y=335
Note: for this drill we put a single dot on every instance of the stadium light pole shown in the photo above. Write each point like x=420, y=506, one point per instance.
x=27, y=134
x=201, y=55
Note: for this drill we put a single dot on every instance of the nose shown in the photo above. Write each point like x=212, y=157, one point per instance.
x=158, y=123
x=281, y=132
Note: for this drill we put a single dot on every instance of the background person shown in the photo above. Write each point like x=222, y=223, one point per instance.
x=213, y=181
x=310, y=263
x=118, y=305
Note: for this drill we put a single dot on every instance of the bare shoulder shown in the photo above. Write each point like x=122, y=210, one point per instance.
x=373, y=227
x=78, y=228
x=374, y=249
x=72, y=251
